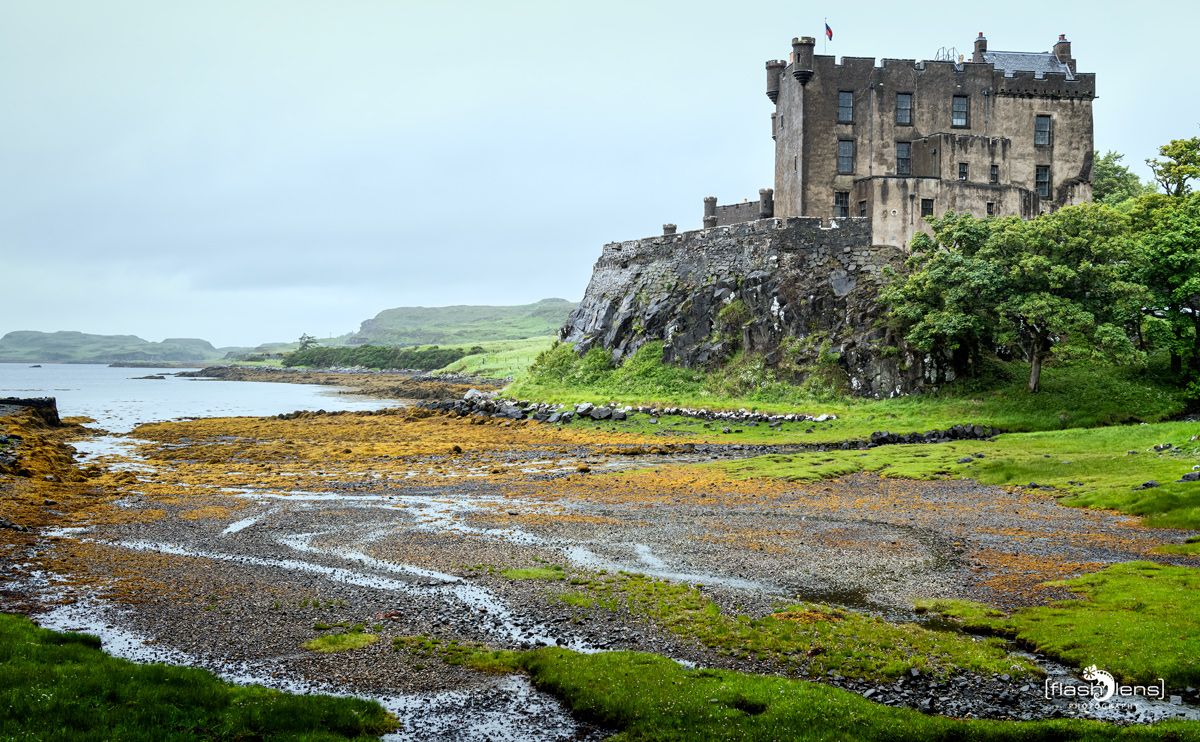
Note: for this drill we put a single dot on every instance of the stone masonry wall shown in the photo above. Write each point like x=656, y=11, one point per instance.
x=798, y=279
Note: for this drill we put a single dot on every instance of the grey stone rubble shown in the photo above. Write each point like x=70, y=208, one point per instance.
x=490, y=404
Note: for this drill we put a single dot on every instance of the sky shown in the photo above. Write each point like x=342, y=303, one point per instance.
x=250, y=170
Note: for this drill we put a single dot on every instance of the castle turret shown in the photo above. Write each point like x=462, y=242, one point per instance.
x=802, y=58
x=1062, y=50
x=774, y=71
x=669, y=229
x=710, y=211
x=980, y=48
x=766, y=203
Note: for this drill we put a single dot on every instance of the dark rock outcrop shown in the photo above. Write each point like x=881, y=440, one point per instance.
x=800, y=284
x=44, y=407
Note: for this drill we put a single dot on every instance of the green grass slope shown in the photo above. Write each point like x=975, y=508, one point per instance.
x=1073, y=395
x=56, y=686
x=27, y=346
x=463, y=324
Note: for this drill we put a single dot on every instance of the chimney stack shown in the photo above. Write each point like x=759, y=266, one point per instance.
x=980, y=48
x=1062, y=50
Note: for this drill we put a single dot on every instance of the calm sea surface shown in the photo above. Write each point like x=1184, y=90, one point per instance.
x=118, y=401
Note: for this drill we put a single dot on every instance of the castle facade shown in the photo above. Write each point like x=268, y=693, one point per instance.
x=1004, y=133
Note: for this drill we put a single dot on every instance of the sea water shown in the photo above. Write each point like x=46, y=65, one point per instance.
x=118, y=401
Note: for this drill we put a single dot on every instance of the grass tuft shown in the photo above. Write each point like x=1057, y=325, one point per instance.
x=62, y=686
x=1138, y=620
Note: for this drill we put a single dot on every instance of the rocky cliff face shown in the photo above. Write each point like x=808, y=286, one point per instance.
x=773, y=287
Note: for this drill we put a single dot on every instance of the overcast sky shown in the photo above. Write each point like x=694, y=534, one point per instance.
x=246, y=171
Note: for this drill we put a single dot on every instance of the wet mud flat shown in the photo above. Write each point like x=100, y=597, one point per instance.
x=236, y=542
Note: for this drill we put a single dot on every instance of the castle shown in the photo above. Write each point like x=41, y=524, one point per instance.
x=862, y=155
x=1004, y=133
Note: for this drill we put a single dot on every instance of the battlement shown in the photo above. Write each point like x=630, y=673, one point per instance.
x=1048, y=74
x=1028, y=84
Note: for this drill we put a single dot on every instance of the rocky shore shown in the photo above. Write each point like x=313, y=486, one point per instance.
x=490, y=404
x=385, y=384
x=233, y=543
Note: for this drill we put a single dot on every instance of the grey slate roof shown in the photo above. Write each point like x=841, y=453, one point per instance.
x=1039, y=63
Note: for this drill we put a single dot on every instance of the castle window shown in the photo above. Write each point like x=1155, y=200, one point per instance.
x=960, y=112
x=927, y=207
x=991, y=208
x=904, y=158
x=1043, y=180
x=994, y=174
x=841, y=204
x=963, y=170
x=1041, y=131
x=862, y=208
x=845, y=107
x=845, y=156
x=904, y=109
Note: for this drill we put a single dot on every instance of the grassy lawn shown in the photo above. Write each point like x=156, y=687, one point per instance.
x=1073, y=396
x=501, y=359
x=1098, y=467
x=1138, y=620
x=62, y=686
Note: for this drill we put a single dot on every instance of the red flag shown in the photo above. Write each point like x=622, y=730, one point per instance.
x=828, y=32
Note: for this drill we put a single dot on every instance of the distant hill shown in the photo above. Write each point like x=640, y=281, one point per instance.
x=462, y=324
x=79, y=347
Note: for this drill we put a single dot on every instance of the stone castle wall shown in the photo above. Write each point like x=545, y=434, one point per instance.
x=800, y=280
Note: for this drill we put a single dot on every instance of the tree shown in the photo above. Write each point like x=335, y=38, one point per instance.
x=1180, y=166
x=1057, y=284
x=1066, y=286
x=1113, y=182
x=943, y=304
x=1168, y=263
x=307, y=341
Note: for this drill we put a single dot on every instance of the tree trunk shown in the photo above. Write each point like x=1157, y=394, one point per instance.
x=1194, y=363
x=1035, y=371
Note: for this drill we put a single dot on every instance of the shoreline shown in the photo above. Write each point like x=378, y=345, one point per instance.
x=381, y=384
x=409, y=522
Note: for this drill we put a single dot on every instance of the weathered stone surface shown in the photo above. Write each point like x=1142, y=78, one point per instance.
x=44, y=407
x=798, y=278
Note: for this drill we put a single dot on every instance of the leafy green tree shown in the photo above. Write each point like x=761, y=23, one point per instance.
x=944, y=304
x=1113, y=182
x=1066, y=287
x=307, y=341
x=1057, y=284
x=1180, y=166
x=1168, y=264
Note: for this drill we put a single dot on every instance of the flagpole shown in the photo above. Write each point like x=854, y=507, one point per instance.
x=825, y=34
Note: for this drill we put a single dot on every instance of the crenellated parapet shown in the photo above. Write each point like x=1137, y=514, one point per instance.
x=1052, y=85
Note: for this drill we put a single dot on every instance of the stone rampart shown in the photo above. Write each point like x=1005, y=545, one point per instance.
x=801, y=283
